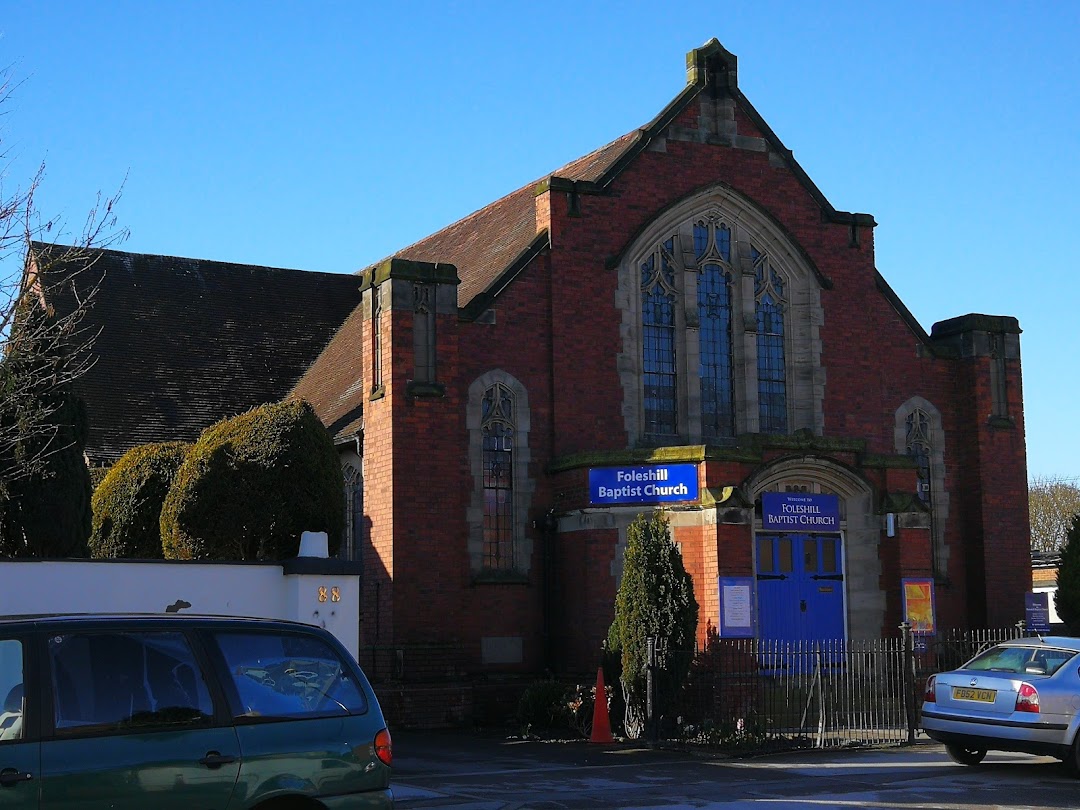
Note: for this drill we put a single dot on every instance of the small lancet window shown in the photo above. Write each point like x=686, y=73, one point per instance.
x=497, y=430
x=658, y=296
x=772, y=373
x=712, y=247
x=354, y=514
x=919, y=447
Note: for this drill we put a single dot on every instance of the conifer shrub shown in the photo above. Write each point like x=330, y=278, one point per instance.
x=655, y=598
x=45, y=513
x=1067, y=597
x=127, y=503
x=252, y=484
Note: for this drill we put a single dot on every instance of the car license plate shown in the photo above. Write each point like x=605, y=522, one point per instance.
x=980, y=695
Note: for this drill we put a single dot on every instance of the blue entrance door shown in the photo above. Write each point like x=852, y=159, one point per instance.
x=800, y=587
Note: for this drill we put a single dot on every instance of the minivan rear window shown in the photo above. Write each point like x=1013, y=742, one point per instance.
x=279, y=675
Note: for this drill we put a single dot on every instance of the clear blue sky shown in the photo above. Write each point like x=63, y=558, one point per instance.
x=325, y=136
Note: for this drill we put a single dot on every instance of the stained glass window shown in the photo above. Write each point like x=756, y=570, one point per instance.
x=658, y=346
x=497, y=430
x=712, y=241
x=918, y=447
x=772, y=372
x=354, y=514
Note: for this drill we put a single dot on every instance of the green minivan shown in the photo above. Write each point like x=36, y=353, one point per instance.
x=185, y=712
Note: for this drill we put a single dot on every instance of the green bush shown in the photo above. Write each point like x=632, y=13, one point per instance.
x=655, y=598
x=251, y=484
x=545, y=708
x=1067, y=598
x=97, y=475
x=127, y=503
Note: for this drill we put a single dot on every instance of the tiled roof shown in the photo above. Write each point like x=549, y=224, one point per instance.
x=333, y=384
x=594, y=165
x=481, y=246
x=186, y=342
x=1043, y=577
x=485, y=243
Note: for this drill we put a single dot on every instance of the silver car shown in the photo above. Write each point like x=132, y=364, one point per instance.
x=1021, y=695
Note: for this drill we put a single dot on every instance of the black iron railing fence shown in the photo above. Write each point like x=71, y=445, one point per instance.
x=762, y=694
x=749, y=694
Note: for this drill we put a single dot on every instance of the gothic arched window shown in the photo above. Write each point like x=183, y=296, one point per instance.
x=721, y=315
x=352, y=535
x=770, y=305
x=712, y=249
x=497, y=429
x=918, y=433
x=658, y=298
x=918, y=447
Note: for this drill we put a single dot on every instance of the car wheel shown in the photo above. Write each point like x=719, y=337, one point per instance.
x=1072, y=759
x=964, y=755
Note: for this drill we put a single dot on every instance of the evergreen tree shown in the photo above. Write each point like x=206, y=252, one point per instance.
x=45, y=513
x=655, y=598
x=1067, y=598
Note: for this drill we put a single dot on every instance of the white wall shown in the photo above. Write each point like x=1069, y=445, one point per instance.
x=262, y=590
x=1052, y=590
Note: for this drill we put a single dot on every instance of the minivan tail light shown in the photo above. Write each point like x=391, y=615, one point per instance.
x=384, y=748
x=930, y=695
x=1027, y=699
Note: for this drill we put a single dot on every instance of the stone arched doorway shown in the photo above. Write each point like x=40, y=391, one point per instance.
x=838, y=571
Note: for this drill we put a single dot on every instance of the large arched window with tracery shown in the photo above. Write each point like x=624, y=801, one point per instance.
x=721, y=315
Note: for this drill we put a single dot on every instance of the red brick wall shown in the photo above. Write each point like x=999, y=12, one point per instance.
x=557, y=331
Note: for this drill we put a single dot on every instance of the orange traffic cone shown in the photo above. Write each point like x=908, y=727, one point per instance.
x=601, y=723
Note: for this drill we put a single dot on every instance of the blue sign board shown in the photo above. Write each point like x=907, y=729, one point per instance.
x=1037, y=612
x=800, y=512
x=656, y=483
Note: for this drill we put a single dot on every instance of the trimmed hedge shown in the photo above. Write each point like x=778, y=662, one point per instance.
x=251, y=484
x=127, y=503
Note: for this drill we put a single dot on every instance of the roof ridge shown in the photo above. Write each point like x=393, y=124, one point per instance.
x=531, y=185
x=399, y=253
x=118, y=253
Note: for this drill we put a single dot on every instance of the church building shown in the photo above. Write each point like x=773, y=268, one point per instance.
x=678, y=320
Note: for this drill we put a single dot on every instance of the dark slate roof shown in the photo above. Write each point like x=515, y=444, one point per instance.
x=186, y=342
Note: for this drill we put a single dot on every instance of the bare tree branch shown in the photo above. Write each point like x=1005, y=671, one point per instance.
x=1052, y=505
x=42, y=350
